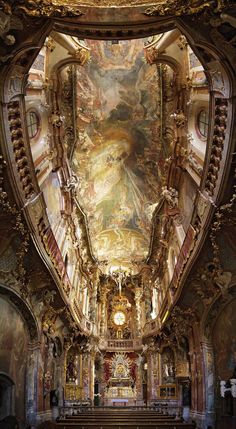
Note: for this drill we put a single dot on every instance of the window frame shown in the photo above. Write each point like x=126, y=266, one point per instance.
x=31, y=124
x=206, y=124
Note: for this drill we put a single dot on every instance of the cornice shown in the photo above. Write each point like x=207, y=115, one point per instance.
x=67, y=8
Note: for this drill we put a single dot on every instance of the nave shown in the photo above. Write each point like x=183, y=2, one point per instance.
x=117, y=214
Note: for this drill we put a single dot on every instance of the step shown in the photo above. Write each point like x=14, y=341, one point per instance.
x=127, y=426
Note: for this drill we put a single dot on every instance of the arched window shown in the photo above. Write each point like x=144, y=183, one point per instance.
x=202, y=123
x=33, y=122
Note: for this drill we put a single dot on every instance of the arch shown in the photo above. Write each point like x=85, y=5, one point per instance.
x=207, y=329
x=171, y=62
x=214, y=310
x=24, y=310
x=17, y=344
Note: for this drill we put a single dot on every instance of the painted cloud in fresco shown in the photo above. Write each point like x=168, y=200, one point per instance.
x=118, y=157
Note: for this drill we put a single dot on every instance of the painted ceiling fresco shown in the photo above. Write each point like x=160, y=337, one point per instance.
x=118, y=158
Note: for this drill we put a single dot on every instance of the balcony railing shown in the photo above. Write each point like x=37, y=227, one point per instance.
x=122, y=344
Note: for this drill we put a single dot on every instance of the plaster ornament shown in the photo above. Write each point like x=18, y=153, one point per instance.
x=182, y=42
x=83, y=54
x=57, y=120
x=9, y=22
x=171, y=196
x=233, y=387
x=194, y=164
x=186, y=7
x=223, y=280
x=179, y=118
x=71, y=184
x=49, y=8
x=151, y=55
x=50, y=43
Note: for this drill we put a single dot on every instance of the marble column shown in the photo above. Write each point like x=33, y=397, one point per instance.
x=93, y=304
x=208, y=358
x=31, y=383
x=138, y=296
x=148, y=302
x=197, y=377
x=149, y=376
x=139, y=380
x=91, y=376
x=103, y=325
x=85, y=374
x=155, y=375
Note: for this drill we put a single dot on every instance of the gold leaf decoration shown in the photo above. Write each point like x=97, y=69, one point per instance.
x=54, y=8
x=186, y=7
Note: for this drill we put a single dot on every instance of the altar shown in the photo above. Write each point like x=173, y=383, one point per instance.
x=120, y=389
x=120, y=396
x=120, y=402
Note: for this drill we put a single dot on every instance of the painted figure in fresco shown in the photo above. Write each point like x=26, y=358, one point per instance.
x=118, y=157
x=117, y=187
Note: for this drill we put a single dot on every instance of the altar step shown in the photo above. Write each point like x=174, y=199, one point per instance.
x=119, y=415
x=127, y=425
x=117, y=418
x=122, y=419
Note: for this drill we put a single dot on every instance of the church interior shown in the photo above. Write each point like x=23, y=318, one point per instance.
x=117, y=214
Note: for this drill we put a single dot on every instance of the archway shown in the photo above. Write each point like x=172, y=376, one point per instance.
x=18, y=358
x=7, y=396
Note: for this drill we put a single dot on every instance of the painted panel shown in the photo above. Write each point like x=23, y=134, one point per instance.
x=118, y=158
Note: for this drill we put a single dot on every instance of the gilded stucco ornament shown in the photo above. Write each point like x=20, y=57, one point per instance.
x=20, y=228
x=186, y=7
x=8, y=22
x=40, y=8
x=151, y=55
x=50, y=8
x=83, y=55
x=66, y=8
x=170, y=196
x=224, y=215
